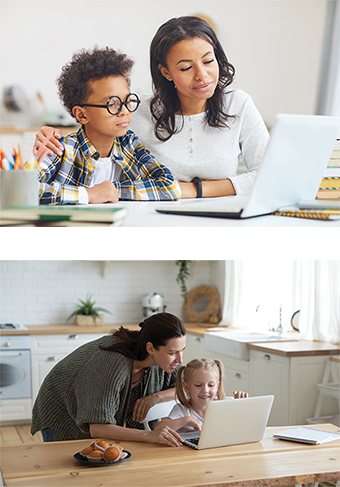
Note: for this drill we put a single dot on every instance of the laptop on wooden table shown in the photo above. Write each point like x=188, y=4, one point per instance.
x=289, y=175
x=231, y=422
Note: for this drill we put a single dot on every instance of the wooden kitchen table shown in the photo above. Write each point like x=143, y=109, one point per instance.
x=266, y=463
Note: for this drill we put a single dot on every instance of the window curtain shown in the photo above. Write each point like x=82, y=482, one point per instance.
x=328, y=102
x=317, y=292
x=233, y=271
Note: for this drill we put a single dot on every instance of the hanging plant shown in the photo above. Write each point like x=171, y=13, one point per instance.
x=183, y=275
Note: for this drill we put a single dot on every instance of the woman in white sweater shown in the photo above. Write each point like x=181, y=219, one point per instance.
x=193, y=124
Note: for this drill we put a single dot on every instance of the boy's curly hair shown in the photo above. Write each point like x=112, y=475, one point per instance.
x=73, y=83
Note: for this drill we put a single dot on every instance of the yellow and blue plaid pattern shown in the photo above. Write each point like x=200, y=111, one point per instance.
x=142, y=176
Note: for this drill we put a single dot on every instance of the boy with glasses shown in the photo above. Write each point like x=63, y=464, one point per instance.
x=103, y=161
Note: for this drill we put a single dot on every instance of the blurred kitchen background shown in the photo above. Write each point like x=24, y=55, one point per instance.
x=258, y=295
x=286, y=52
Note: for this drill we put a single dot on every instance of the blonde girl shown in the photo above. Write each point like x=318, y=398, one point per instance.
x=198, y=383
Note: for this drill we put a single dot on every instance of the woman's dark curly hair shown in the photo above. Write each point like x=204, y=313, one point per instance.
x=165, y=102
x=73, y=83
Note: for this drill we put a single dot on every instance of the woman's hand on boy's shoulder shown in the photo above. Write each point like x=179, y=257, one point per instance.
x=240, y=394
x=53, y=145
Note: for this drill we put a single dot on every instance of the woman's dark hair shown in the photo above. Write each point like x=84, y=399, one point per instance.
x=73, y=83
x=165, y=102
x=157, y=329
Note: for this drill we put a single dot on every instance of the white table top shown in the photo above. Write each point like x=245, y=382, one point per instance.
x=143, y=214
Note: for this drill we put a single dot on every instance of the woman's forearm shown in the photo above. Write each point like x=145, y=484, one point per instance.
x=115, y=432
x=210, y=189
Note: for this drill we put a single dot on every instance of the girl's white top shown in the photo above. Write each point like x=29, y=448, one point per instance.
x=179, y=411
x=207, y=152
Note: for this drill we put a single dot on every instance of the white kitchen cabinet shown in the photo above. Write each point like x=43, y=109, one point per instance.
x=194, y=348
x=48, y=350
x=292, y=380
x=236, y=373
x=15, y=410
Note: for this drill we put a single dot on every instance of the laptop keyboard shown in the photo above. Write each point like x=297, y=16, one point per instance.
x=194, y=440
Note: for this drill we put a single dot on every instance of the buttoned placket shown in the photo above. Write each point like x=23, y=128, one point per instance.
x=191, y=137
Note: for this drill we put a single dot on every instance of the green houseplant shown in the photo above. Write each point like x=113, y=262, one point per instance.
x=86, y=313
x=183, y=275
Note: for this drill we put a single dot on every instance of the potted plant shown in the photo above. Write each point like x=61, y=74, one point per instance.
x=87, y=313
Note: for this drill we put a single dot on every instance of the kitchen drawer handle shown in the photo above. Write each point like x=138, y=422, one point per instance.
x=73, y=337
x=198, y=340
x=266, y=357
x=237, y=376
x=52, y=359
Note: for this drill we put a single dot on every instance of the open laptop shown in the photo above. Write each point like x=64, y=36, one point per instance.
x=231, y=422
x=290, y=173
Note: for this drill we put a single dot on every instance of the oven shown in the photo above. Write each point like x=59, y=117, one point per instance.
x=15, y=367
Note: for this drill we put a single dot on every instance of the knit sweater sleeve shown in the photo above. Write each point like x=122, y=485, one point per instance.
x=103, y=399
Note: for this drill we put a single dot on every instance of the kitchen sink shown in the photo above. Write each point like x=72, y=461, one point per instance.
x=234, y=344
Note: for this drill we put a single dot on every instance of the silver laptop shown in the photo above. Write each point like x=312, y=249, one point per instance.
x=231, y=422
x=290, y=173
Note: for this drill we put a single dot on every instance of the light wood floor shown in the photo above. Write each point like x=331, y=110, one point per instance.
x=18, y=435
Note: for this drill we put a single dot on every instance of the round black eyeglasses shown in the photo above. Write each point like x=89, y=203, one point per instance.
x=114, y=104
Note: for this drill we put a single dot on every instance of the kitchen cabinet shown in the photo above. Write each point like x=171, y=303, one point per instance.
x=194, y=348
x=15, y=410
x=236, y=373
x=48, y=350
x=292, y=380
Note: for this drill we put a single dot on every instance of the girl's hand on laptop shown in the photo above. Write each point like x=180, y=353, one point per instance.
x=240, y=394
x=104, y=192
x=54, y=146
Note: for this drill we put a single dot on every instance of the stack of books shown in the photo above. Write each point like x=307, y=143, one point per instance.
x=62, y=216
x=330, y=184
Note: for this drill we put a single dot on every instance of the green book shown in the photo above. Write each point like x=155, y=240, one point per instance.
x=62, y=215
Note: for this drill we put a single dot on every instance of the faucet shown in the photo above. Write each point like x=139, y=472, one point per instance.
x=279, y=328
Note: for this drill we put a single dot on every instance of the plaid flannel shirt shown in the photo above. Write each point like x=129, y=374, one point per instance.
x=142, y=176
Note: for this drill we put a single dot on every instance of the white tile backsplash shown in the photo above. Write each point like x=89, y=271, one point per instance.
x=45, y=292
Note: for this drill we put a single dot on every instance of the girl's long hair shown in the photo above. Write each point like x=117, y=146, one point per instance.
x=165, y=102
x=183, y=374
x=157, y=329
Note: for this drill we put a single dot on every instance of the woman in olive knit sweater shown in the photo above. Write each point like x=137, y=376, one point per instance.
x=106, y=387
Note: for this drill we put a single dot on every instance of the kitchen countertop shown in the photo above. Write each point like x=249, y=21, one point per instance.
x=62, y=328
x=297, y=348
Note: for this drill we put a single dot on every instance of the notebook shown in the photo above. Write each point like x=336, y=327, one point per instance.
x=307, y=435
x=231, y=422
x=291, y=170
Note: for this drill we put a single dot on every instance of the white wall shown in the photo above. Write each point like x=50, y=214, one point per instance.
x=37, y=292
x=275, y=45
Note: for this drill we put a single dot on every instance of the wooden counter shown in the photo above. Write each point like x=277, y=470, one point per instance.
x=65, y=328
x=302, y=348
x=288, y=349
x=266, y=463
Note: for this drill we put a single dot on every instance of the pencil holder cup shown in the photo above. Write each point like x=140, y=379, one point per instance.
x=18, y=188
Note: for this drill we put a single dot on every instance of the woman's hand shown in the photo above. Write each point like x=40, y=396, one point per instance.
x=53, y=145
x=166, y=435
x=240, y=394
x=142, y=406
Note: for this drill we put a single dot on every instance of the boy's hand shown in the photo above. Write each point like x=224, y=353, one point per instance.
x=104, y=192
x=240, y=394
